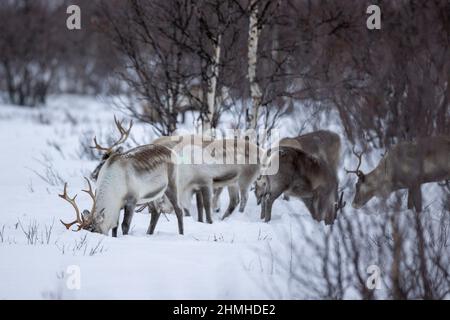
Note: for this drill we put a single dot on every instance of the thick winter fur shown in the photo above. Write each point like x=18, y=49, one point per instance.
x=214, y=171
x=322, y=144
x=307, y=170
x=137, y=176
x=407, y=165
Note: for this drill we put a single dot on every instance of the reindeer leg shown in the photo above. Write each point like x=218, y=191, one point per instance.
x=171, y=195
x=243, y=203
x=410, y=199
x=243, y=188
x=129, y=210
x=234, y=200
x=199, y=200
x=271, y=197
x=268, y=209
x=264, y=205
x=216, y=199
x=114, y=232
x=153, y=220
x=263, y=208
x=417, y=198
x=207, y=202
x=115, y=229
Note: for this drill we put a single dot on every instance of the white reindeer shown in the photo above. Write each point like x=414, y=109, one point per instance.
x=125, y=179
x=231, y=163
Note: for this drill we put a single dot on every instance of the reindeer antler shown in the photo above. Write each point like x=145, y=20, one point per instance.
x=358, y=172
x=91, y=194
x=79, y=218
x=123, y=136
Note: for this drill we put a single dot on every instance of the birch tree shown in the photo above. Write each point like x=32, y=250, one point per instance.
x=259, y=12
x=211, y=83
x=217, y=20
x=255, y=90
x=157, y=64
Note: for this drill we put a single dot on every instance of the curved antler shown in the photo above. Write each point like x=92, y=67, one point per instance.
x=91, y=194
x=124, y=133
x=79, y=218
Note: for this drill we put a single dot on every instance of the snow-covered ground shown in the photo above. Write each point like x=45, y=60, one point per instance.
x=239, y=258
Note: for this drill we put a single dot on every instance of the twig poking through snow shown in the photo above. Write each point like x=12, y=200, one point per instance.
x=2, y=234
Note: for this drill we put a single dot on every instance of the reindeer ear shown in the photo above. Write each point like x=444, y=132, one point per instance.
x=119, y=150
x=85, y=214
x=100, y=216
x=313, y=160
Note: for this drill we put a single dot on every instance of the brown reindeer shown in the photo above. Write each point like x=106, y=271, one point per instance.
x=307, y=170
x=322, y=144
x=406, y=165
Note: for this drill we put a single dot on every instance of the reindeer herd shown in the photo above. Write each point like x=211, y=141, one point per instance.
x=166, y=174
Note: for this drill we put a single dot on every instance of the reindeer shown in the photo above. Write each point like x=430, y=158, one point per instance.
x=202, y=178
x=322, y=144
x=307, y=170
x=163, y=204
x=406, y=165
x=199, y=179
x=125, y=179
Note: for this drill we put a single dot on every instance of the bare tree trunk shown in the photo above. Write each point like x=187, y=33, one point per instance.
x=208, y=122
x=171, y=112
x=255, y=90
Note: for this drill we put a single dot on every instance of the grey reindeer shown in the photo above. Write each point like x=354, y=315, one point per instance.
x=406, y=165
x=308, y=171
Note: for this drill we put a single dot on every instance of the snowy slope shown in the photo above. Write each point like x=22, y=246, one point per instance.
x=229, y=259
x=240, y=258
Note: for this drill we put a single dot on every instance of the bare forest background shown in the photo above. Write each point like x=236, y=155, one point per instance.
x=182, y=55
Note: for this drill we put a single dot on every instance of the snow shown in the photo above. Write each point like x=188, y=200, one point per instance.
x=239, y=258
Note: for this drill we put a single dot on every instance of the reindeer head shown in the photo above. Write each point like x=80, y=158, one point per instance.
x=161, y=205
x=363, y=188
x=108, y=151
x=324, y=203
x=87, y=219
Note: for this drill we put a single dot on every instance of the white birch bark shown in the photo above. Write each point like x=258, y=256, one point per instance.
x=255, y=90
x=212, y=87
